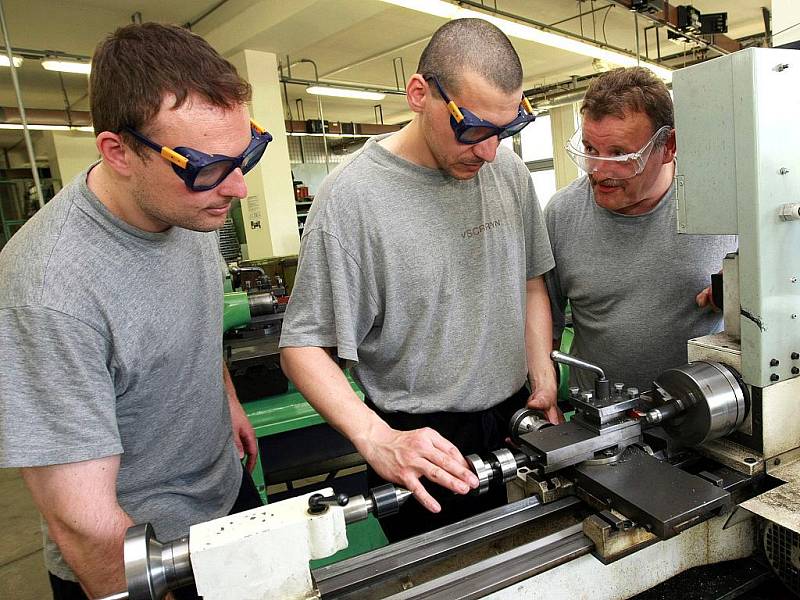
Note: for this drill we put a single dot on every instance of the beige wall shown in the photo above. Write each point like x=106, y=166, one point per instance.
x=69, y=152
x=270, y=216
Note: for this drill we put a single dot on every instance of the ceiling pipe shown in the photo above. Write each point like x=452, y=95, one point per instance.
x=18, y=92
x=45, y=116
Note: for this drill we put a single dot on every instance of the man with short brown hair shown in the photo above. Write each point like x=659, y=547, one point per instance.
x=638, y=289
x=114, y=399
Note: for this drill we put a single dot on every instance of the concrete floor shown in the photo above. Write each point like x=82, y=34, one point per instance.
x=22, y=572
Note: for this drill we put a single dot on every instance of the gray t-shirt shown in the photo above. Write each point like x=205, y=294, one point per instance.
x=420, y=278
x=111, y=339
x=631, y=282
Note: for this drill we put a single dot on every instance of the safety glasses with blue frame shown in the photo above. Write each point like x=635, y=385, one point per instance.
x=200, y=171
x=471, y=129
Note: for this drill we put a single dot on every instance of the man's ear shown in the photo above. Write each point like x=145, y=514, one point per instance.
x=670, y=147
x=418, y=93
x=115, y=153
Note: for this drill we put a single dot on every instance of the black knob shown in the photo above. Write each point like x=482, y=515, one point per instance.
x=317, y=503
x=795, y=355
x=774, y=377
x=774, y=362
x=795, y=370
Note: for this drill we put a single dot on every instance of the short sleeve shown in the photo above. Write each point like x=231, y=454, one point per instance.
x=57, y=398
x=332, y=304
x=539, y=256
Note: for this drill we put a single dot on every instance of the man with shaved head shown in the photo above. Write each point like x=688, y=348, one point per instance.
x=422, y=261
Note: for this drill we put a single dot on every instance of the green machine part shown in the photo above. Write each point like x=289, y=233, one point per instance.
x=235, y=311
x=563, y=370
x=284, y=412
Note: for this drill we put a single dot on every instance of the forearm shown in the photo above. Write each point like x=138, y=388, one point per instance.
x=230, y=390
x=86, y=523
x=95, y=551
x=326, y=388
x=539, y=336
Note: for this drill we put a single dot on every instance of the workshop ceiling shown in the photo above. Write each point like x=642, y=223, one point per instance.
x=352, y=41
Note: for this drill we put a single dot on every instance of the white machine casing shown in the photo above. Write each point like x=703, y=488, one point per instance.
x=737, y=125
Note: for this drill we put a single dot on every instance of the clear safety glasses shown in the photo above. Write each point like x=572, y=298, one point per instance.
x=622, y=166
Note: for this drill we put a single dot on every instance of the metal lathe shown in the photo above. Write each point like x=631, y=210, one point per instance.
x=639, y=485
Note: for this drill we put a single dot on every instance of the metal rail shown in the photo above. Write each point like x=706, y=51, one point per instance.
x=353, y=575
x=498, y=572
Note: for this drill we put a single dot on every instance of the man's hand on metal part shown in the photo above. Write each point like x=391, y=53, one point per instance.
x=405, y=456
x=544, y=399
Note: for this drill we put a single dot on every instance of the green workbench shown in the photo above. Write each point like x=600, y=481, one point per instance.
x=289, y=411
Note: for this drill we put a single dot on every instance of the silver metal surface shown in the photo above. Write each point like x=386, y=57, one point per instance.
x=151, y=568
x=653, y=493
x=571, y=443
x=262, y=303
x=357, y=509
x=506, y=569
x=571, y=361
x=482, y=471
x=348, y=578
x=716, y=399
x=507, y=463
x=120, y=596
x=526, y=420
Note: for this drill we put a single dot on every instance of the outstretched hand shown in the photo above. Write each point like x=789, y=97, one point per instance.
x=403, y=457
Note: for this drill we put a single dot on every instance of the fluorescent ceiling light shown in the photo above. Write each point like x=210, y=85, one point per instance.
x=4, y=60
x=324, y=90
x=441, y=8
x=44, y=127
x=67, y=66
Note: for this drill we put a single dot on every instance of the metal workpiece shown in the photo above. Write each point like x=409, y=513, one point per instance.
x=602, y=387
x=653, y=493
x=482, y=471
x=388, y=567
x=715, y=399
x=152, y=569
x=498, y=467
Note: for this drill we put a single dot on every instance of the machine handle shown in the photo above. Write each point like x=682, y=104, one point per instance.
x=602, y=387
x=571, y=361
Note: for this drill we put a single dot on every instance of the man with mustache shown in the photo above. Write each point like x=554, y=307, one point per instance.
x=422, y=260
x=114, y=399
x=638, y=290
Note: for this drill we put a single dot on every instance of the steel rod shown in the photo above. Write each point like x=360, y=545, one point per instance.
x=25, y=132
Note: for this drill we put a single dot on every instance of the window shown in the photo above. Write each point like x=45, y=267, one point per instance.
x=537, y=140
x=544, y=182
